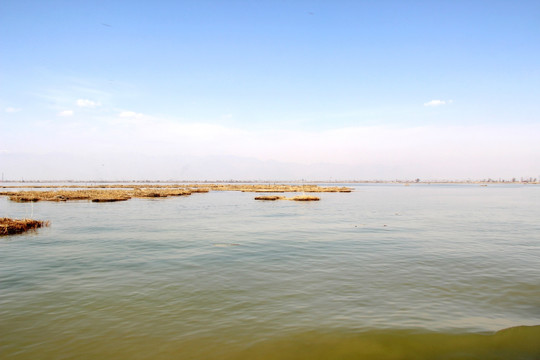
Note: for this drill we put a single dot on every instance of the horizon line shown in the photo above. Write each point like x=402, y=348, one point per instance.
x=514, y=180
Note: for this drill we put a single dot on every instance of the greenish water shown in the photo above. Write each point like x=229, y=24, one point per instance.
x=385, y=272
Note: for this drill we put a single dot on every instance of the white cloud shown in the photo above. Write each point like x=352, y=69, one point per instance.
x=436, y=103
x=66, y=113
x=130, y=114
x=87, y=103
x=12, y=110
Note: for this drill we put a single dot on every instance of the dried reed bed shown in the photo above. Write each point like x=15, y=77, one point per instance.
x=199, y=190
x=123, y=192
x=159, y=193
x=294, y=198
x=206, y=187
x=273, y=188
x=269, y=198
x=94, y=195
x=65, y=195
x=16, y=226
x=304, y=198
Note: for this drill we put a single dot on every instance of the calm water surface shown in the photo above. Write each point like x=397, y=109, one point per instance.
x=385, y=272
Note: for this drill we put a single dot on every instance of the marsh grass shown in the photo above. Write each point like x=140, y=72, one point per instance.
x=16, y=226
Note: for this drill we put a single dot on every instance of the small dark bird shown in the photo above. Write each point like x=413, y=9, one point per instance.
x=107, y=25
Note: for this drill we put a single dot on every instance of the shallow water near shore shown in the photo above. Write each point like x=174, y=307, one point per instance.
x=385, y=272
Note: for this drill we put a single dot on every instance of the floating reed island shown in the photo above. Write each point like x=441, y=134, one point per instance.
x=123, y=192
x=93, y=195
x=16, y=226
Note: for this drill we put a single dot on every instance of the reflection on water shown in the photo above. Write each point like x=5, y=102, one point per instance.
x=385, y=272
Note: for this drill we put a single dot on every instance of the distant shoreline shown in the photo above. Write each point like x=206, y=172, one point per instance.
x=532, y=181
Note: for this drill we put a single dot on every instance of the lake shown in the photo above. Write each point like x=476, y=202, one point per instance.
x=386, y=272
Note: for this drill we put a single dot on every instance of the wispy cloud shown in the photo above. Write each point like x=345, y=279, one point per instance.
x=130, y=114
x=66, y=113
x=12, y=110
x=438, y=102
x=87, y=103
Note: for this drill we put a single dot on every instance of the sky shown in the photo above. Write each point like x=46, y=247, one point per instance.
x=269, y=90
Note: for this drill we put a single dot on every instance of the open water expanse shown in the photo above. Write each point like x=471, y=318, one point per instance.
x=385, y=272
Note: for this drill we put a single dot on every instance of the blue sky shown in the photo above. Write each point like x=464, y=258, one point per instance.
x=378, y=89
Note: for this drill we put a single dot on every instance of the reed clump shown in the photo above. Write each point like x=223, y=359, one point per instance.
x=294, y=198
x=269, y=197
x=304, y=198
x=109, y=199
x=16, y=226
x=199, y=190
x=159, y=193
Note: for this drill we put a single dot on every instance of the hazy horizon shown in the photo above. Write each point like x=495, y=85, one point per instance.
x=239, y=169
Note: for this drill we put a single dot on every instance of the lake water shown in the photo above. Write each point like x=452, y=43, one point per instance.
x=385, y=272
